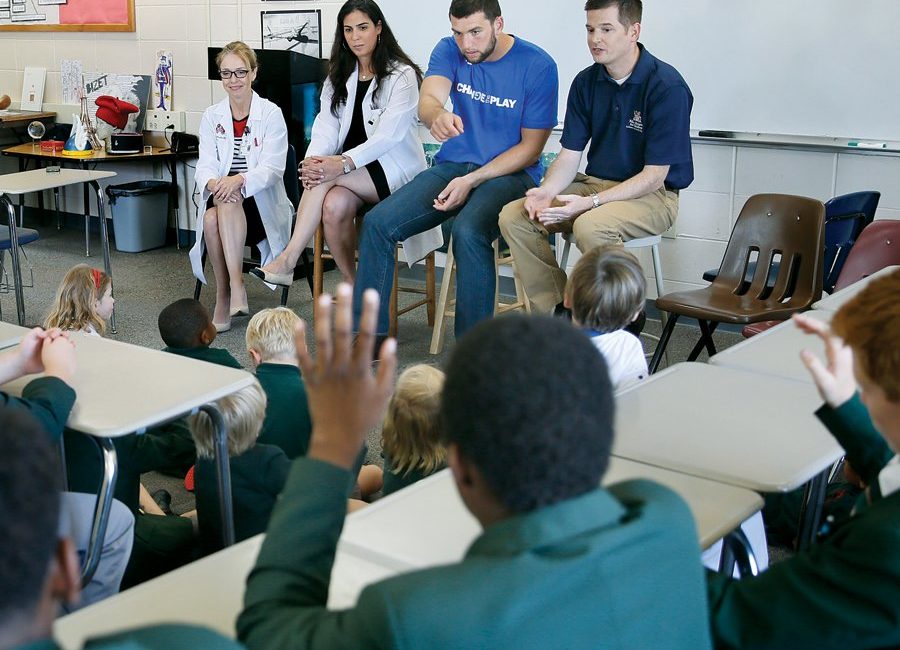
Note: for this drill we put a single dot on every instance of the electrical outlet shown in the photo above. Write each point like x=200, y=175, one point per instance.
x=158, y=120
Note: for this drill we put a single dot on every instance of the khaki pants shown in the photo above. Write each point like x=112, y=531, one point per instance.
x=611, y=223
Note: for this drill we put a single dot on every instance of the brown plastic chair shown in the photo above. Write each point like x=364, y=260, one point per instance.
x=772, y=228
x=877, y=247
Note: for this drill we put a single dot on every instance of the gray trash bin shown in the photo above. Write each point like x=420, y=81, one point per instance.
x=140, y=212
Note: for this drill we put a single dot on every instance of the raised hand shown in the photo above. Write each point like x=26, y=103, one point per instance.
x=834, y=379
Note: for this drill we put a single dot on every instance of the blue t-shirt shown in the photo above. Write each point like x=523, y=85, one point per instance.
x=645, y=121
x=496, y=100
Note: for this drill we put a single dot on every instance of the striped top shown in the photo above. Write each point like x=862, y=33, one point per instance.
x=238, y=160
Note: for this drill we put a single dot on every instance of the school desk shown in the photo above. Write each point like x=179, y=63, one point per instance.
x=753, y=430
x=38, y=180
x=208, y=592
x=427, y=523
x=122, y=389
x=776, y=351
x=10, y=334
x=836, y=300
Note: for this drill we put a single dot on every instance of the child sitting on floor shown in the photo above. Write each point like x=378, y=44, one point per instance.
x=258, y=472
x=187, y=329
x=606, y=292
x=410, y=435
x=270, y=344
x=83, y=301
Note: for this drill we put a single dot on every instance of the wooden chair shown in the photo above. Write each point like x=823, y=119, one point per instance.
x=321, y=254
x=772, y=228
x=446, y=306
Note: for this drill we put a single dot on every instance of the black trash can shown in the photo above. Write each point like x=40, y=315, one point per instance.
x=140, y=212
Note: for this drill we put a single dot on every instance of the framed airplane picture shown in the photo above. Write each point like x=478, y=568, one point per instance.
x=300, y=31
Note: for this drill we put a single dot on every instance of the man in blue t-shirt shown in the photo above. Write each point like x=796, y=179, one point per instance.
x=635, y=112
x=504, y=94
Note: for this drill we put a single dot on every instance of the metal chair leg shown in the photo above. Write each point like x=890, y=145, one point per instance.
x=739, y=547
x=706, y=341
x=663, y=342
x=811, y=510
x=104, y=241
x=223, y=473
x=14, y=255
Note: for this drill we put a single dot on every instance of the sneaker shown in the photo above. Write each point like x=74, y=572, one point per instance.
x=164, y=500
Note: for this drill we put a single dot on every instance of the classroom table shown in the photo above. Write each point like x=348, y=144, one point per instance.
x=12, y=119
x=10, y=334
x=423, y=525
x=151, y=154
x=836, y=300
x=123, y=389
x=427, y=523
x=734, y=426
x=776, y=351
x=208, y=592
x=38, y=180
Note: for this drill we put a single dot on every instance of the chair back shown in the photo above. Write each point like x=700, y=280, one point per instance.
x=878, y=246
x=776, y=229
x=845, y=217
x=292, y=177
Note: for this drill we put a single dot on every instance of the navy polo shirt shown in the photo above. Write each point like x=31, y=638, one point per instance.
x=645, y=121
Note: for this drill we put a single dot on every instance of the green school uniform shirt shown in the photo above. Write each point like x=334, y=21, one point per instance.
x=843, y=592
x=158, y=637
x=613, y=568
x=394, y=481
x=218, y=356
x=287, y=424
x=257, y=478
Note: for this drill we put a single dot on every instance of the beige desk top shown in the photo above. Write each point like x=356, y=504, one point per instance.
x=37, y=180
x=427, y=524
x=838, y=298
x=27, y=150
x=423, y=525
x=124, y=388
x=207, y=592
x=776, y=351
x=746, y=429
x=17, y=117
x=10, y=334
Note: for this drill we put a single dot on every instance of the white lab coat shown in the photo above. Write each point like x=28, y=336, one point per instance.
x=391, y=128
x=266, y=151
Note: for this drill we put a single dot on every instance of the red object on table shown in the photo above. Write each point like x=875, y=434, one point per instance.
x=52, y=145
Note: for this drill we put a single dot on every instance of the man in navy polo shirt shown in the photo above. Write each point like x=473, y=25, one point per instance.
x=504, y=94
x=635, y=112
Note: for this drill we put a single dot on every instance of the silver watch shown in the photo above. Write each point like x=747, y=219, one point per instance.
x=346, y=162
x=595, y=199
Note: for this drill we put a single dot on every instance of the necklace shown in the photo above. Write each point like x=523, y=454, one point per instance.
x=365, y=77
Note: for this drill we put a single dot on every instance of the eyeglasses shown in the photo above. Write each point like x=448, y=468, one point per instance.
x=240, y=74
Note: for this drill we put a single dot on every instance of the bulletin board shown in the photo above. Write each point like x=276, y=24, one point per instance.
x=66, y=15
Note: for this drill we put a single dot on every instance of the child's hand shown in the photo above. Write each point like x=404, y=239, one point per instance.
x=29, y=352
x=345, y=398
x=835, y=381
x=58, y=356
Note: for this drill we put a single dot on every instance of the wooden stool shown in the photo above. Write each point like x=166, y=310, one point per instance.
x=446, y=307
x=320, y=254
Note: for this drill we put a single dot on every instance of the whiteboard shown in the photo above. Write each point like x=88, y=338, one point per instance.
x=797, y=67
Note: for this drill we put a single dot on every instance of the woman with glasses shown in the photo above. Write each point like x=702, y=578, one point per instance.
x=364, y=143
x=243, y=148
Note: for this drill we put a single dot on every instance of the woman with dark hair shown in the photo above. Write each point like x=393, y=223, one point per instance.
x=364, y=143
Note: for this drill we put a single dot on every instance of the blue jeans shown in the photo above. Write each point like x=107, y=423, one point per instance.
x=410, y=210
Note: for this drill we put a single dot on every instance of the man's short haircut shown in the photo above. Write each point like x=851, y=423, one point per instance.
x=606, y=289
x=243, y=413
x=528, y=401
x=868, y=323
x=182, y=323
x=465, y=8
x=271, y=333
x=30, y=484
x=630, y=11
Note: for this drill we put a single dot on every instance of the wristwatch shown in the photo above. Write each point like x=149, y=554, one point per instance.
x=595, y=199
x=346, y=162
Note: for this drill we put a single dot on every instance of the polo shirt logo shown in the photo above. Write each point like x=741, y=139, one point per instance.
x=484, y=98
x=635, y=123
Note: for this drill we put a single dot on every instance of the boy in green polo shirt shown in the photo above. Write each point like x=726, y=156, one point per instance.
x=270, y=344
x=187, y=329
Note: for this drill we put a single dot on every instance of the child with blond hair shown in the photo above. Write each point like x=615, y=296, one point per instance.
x=258, y=471
x=606, y=292
x=83, y=301
x=270, y=344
